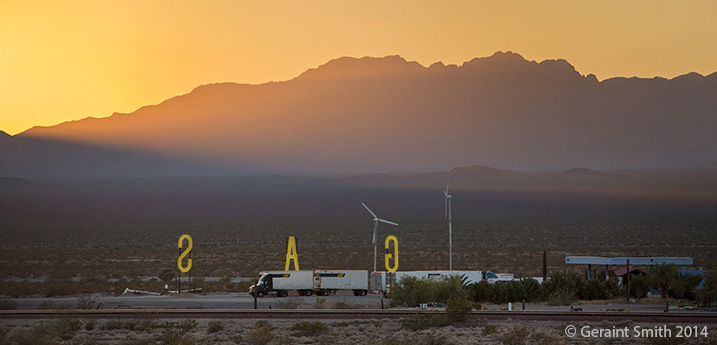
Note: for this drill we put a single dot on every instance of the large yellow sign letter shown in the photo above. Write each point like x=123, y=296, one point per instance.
x=394, y=255
x=185, y=253
x=291, y=253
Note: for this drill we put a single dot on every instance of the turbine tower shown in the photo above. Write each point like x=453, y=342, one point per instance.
x=450, y=226
x=376, y=219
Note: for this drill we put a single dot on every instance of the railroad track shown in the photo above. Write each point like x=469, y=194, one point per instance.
x=692, y=317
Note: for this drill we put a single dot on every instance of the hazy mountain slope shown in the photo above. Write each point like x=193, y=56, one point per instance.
x=47, y=158
x=378, y=114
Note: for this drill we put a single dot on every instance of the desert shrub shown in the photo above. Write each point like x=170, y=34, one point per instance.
x=684, y=283
x=425, y=321
x=237, y=338
x=136, y=325
x=708, y=294
x=451, y=287
x=517, y=335
x=65, y=328
x=37, y=335
x=560, y=297
x=261, y=334
x=186, y=325
x=394, y=340
x=8, y=304
x=490, y=329
x=309, y=329
x=172, y=337
x=594, y=289
x=215, y=326
x=87, y=302
x=458, y=309
x=433, y=339
x=90, y=325
x=290, y=303
x=411, y=292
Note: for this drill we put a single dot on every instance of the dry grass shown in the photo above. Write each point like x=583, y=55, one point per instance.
x=275, y=332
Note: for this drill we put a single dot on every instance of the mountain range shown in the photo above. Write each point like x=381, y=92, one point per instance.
x=362, y=115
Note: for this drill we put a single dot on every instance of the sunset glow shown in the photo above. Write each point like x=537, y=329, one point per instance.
x=66, y=60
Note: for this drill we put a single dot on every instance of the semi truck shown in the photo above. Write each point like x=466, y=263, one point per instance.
x=307, y=283
x=325, y=282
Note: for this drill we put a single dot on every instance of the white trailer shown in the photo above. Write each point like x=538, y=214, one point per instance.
x=306, y=283
x=383, y=281
x=471, y=276
x=329, y=281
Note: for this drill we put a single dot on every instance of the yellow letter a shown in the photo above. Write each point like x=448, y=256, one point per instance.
x=291, y=254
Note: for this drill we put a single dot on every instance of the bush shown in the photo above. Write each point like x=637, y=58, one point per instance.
x=215, y=326
x=425, y=321
x=309, y=329
x=90, y=325
x=290, y=303
x=570, y=282
x=8, y=304
x=532, y=290
x=261, y=334
x=482, y=292
x=458, y=309
x=594, y=289
x=708, y=294
x=411, y=292
x=560, y=297
x=66, y=329
x=38, y=335
x=517, y=335
x=87, y=302
x=490, y=329
x=640, y=285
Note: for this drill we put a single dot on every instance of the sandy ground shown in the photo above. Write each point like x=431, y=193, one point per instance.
x=379, y=332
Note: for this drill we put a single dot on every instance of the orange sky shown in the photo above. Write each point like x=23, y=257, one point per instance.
x=66, y=60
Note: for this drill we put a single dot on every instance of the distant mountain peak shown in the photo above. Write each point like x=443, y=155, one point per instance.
x=354, y=68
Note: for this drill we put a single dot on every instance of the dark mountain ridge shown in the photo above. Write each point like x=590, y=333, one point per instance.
x=377, y=114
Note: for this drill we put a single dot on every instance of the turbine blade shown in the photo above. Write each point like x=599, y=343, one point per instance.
x=369, y=210
x=387, y=222
x=447, y=183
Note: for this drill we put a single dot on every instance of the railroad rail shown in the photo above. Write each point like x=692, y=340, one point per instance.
x=692, y=317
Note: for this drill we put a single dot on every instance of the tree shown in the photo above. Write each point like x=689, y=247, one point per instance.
x=708, y=293
x=663, y=275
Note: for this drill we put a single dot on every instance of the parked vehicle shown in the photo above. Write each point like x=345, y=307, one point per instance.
x=307, y=283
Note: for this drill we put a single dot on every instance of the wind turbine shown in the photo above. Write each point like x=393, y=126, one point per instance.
x=376, y=219
x=450, y=226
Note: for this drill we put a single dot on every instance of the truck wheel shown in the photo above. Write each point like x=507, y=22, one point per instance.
x=260, y=294
x=362, y=293
x=324, y=292
x=282, y=294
